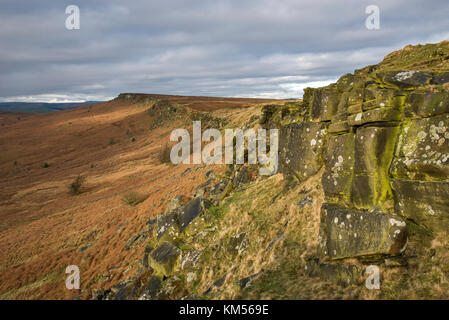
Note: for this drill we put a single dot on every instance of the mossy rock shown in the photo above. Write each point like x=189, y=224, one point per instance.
x=387, y=98
x=366, y=191
x=307, y=96
x=422, y=105
x=338, y=117
x=426, y=203
x=324, y=104
x=346, y=82
x=423, y=150
x=167, y=227
x=191, y=211
x=442, y=79
x=267, y=113
x=343, y=104
x=177, y=223
x=406, y=79
x=337, y=179
x=164, y=258
x=237, y=244
x=375, y=115
x=374, y=149
x=339, y=127
x=356, y=96
x=301, y=149
x=356, y=108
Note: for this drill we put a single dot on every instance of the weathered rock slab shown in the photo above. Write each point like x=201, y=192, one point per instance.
x=442, y=79
x=324, y=104
x=337, y=273
x=346, y=233
x=375, y=115
x=422, y=105
x=374, y=149
x=301, y=149
x=423, y=150
x=337, y=179
x=406, y=79
x=237, y=244
x=167, y=225
x=172, y=223
x=189, y=212
x=152, y=288
x=426, y=203
x=339, y=127
x=164, y=258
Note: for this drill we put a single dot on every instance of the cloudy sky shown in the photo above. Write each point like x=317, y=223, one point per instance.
x=245, y=48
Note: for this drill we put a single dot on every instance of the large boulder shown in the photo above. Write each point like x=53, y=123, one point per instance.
x=324, y=104
x=337, y=179
x=301, y=149
x=189, y=212
x=164, y=258
x=441, y=79
x=406, y=79
x=426, y=104
x=425, y=202
x=384, y=144
x=374, y=148
x=346, y=233
x=171, y=224
x=167, y=226
x=423, y=150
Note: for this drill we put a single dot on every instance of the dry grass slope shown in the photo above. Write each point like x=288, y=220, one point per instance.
x=43, y=228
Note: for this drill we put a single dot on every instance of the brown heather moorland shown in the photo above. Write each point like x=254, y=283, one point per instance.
x=114, y=146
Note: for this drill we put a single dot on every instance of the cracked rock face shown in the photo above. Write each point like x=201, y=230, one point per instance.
x=383, y=140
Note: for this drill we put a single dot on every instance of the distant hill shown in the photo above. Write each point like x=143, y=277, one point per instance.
x=40, y=107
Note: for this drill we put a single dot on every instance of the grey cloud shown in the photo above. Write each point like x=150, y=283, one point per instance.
x=228, y=48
